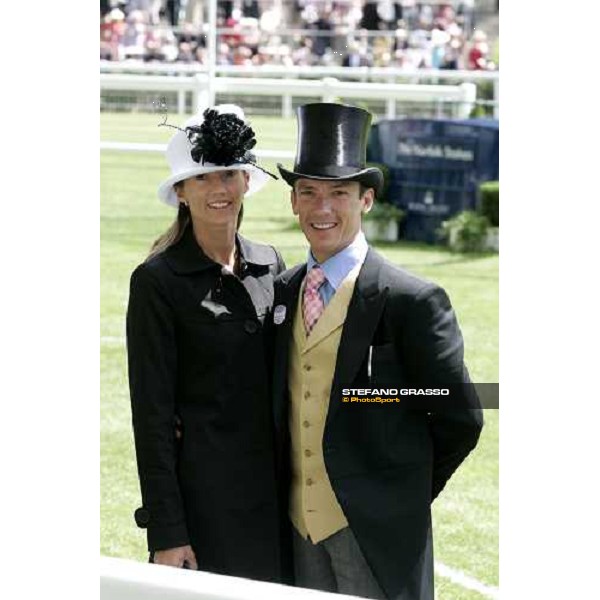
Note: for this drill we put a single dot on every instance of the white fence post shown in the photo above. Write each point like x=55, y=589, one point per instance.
x=181, y=102
x=286, y=106
x=201, y=93
x=390, y=108
x=496, y=98
x=469, y=91
x=328, y=93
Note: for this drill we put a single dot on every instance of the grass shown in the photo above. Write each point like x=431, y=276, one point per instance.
x=465, y=515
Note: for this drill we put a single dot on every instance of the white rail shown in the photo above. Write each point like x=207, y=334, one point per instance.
x=327, y=89
x=386, y=73
x=142, y=147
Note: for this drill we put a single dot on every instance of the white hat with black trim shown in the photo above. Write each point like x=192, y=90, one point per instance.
x=217, y=139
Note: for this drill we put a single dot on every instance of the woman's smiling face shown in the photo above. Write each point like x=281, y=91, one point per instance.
x=216, y=197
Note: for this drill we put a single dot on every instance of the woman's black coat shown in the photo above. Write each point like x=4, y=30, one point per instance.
x=196, y=353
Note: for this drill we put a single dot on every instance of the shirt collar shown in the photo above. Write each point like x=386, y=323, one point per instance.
x=337, y=267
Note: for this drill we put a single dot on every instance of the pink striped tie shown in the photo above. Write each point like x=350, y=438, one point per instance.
x=313, y=303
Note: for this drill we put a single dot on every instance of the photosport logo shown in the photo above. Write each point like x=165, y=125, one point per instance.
x=388, y=395
x=459, y=396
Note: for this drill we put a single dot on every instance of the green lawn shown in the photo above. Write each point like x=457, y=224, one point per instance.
x=465, y=515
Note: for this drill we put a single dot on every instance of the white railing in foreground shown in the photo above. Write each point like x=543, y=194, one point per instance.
x=128, y=580
x=327, y=89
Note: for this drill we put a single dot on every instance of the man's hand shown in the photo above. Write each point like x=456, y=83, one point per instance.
x=177, y=557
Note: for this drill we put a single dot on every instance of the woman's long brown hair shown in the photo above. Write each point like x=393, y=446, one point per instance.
x=175, y=232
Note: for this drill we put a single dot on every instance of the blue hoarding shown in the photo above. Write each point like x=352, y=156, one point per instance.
x=435, y=166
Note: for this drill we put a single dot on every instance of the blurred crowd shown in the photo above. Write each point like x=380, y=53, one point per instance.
x=407, y=34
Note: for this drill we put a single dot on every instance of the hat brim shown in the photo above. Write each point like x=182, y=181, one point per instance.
x=371, y=177
x=166, y=191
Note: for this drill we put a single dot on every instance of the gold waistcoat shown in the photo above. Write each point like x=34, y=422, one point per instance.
x=314, y=509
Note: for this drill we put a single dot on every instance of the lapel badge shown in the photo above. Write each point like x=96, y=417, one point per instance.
x=279, y=314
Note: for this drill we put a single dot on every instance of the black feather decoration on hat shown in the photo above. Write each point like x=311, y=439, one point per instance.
x=221, y=139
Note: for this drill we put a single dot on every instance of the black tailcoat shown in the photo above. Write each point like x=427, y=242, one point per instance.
x=196, y=352
x=387, y=463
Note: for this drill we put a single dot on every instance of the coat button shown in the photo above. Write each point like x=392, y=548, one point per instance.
x=309, y=481
x=142, y=517
x=251, y=326
x=306, y=395
x=307, y=453
x=307, y=367
x=306, y=424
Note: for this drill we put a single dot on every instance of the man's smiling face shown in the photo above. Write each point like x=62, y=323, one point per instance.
x=329, y=213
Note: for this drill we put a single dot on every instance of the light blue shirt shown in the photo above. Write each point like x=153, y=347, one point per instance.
x=337, y=267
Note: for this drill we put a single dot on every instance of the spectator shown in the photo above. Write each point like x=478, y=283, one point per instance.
x=260, y=57
x=270, y=20
x=387, y=14
x=104, y=9
x=478, y=53
x=186, y=53
x=419, y=38
x=105, y=37
x=194, y=12
x=401, y=39
x=454, y=49
x=112, y=35
x=161, y=43
x=346, y=16
x=191, y=34
x=150, y=8
x=134, y=36
x=382, y=52
x=201, y=55
x=426, y=34
x=172, y=10
x=357, y=56
x=370, y=17
x=250, y=9
x=241, y=56
x=223, y=55
x=415, y=56
x=226, y=9
x=410, y=13
x=277, y=52
x=439, y=40
x=154, y=51
x=323, y=23
x=308, y=13
x=465, y=14
x=425, y=20
x=250, y=33
x=445, y=16
x=304, y=55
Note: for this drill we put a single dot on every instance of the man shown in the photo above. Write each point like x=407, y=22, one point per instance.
x=361, y=474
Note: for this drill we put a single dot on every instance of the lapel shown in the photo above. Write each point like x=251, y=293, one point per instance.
x=287, y=290
x=361, y=323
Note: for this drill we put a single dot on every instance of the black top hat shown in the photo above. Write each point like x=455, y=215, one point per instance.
x=332, y=145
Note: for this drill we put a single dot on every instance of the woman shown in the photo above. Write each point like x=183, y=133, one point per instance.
x=196, y=359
